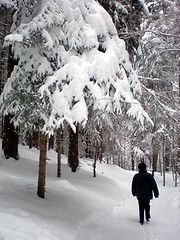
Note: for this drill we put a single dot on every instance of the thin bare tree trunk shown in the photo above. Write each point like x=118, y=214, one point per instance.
x=42, y=166
x=164, y=161
x=154, y=152
x=59, y=152
x=132, y=162
x=95, y=160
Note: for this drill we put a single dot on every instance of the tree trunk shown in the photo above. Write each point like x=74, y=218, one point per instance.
x=100, y=149
x=154, y=152
x=164, y=161
x=154, y=163
x=73, y=149
x=132, y=162
x=30, y=140
x=59, y=152
x=51, y=143
x=10, y=139
x=95, y=160
x=42, y=166
x=88, y=151
x=107, y=159
x=119, y=162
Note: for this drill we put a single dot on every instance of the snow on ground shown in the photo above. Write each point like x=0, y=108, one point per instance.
x=78, y=206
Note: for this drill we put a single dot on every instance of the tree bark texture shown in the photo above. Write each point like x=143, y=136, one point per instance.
x=73, y=158
x=42, y=166
x=10, y=139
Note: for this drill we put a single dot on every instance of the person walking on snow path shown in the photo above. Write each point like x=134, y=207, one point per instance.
x=143, y=186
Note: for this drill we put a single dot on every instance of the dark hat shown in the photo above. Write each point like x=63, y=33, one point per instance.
x=142, y=166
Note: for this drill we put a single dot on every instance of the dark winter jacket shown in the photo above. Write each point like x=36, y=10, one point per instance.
x=143, y=184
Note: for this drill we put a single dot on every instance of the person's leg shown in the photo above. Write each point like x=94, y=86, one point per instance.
x=141, y=211
x=147, y=209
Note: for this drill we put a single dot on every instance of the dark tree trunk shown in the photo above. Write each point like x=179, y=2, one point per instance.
x=132, y=162
x=95, y=160
x=30, y=140
x=51, y=143
x=73, y=159
x=59, y=152
x=42, y=166
x=33, y=139
x=10, y=139
x=88, y=149
x=154, y=163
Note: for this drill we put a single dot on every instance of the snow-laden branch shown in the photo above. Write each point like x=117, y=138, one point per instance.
x=150, y=79
x=164, y=109
x=154, y=94
x=161, y=34
x=142, y=33
x=159, y=54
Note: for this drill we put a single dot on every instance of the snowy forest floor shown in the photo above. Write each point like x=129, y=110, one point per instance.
x=78, y=206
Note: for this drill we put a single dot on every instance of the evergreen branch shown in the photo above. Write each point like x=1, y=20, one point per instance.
x=149, y=79
x=162, y=34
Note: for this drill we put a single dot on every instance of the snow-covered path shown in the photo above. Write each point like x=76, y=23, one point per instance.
x=78, y=206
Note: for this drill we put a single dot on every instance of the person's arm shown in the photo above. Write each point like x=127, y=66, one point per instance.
x=155, y=188
x=133, y=187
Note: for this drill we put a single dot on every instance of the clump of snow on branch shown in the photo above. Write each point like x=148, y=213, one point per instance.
x=138, y=152
x=145, y=7
x=7, y=3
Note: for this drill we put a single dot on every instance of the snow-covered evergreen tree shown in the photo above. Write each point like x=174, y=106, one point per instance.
x=94, y=70
x=68, y=52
